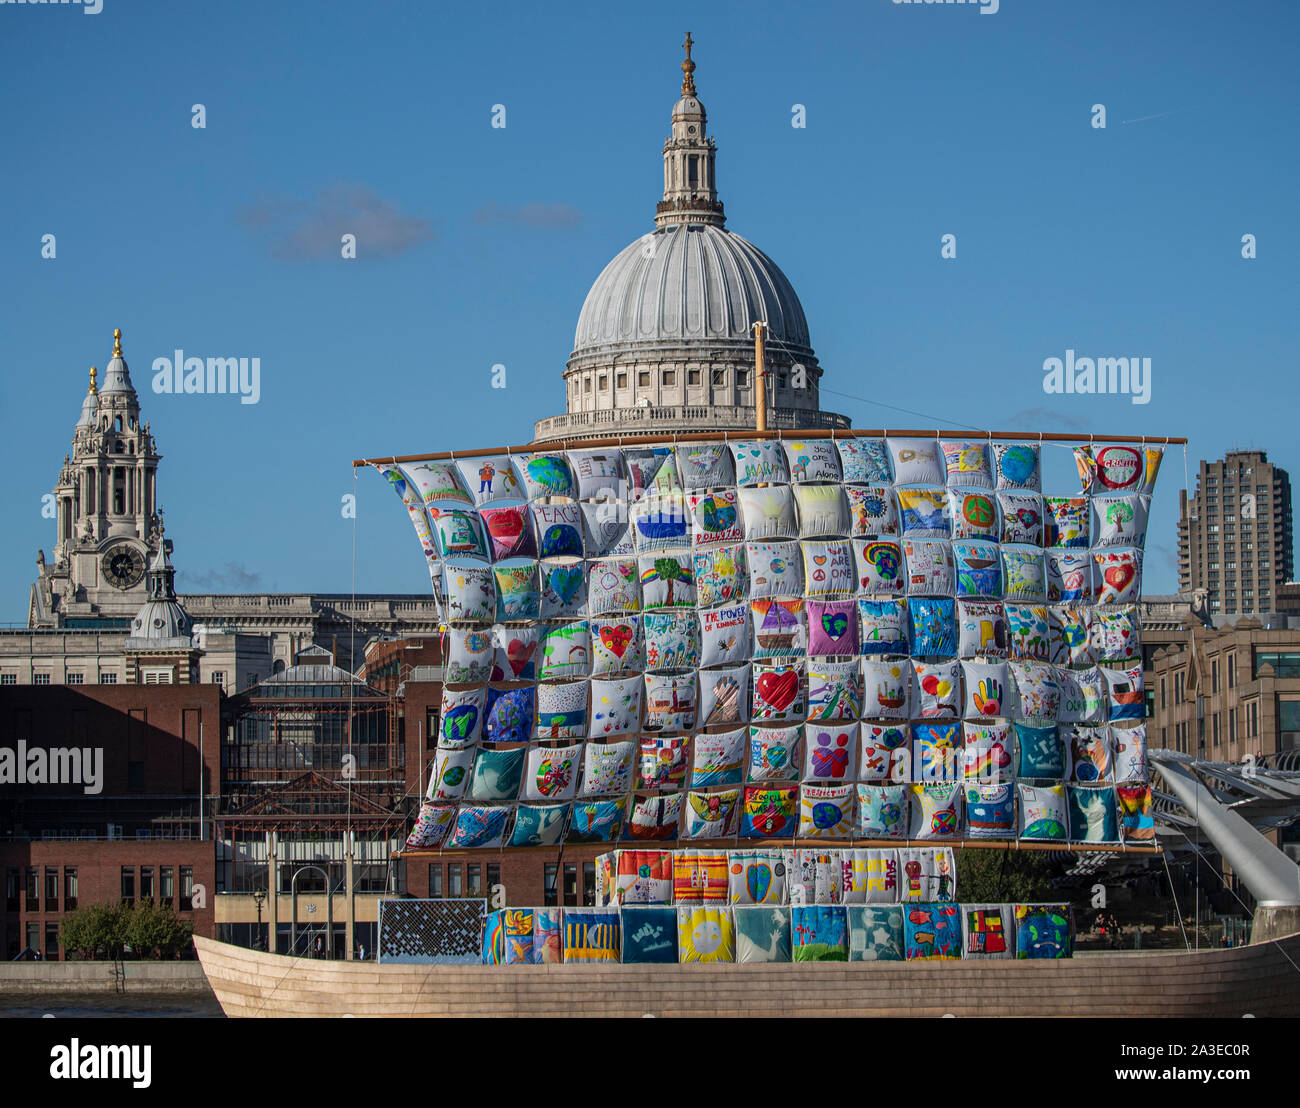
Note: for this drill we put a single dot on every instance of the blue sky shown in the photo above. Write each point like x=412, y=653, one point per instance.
x=478, y=244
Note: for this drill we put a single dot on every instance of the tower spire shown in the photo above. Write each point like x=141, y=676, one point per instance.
x=94, y=388
x=690, y=189
x=688, y=68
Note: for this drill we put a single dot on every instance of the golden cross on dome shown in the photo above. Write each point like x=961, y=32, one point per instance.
x=688, y=67
x=94, y=388
x=117, y=342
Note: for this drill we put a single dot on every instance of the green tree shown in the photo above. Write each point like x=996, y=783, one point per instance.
x=1010, y=876
x=670, y=570
x=154, y=930
x=76, y=933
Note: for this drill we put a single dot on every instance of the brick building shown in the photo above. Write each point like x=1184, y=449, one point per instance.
x=133, y=821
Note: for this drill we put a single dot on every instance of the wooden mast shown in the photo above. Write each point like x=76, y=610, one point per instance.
x=760, y=381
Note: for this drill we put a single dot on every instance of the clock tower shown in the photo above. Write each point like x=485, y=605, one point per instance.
x=107, y=512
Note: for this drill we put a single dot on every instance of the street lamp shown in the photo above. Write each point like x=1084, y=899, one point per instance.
x=259, y=898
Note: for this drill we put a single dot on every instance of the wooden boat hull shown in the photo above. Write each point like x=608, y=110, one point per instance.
x=1258, y=980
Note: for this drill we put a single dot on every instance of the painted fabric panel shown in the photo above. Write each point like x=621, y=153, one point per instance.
x=544, y=475
x=887, y=688
x=654, y=818
x=768, y=513
x=823, y=511
x=478, y=826
x=966, y=463
x=873, y=511
x=990, y=810
x=607, y=768
x=774, y=753
x=1093, y=815
x=820, y=934
x=916, y=462
x=1043, y=812
x=883, y=811
x=642, y=877
x=936, y=810
x=547, y=945
x=711, y=815
x=539, y=824
x=834, y=690
x=875, y=933
x=981, y=629
x=870, y=876
x=700, y=876
x=607, y=532
x=759, y=463
x=815, y=460
x=1125, y=692
x=509, y=532
x=719, y=759
x=882, y=627
x=566, y=652
x=880, y=568
x=988, y=930
x=514, y=652
x=828, y=568
x=1022, y=517
x=559, y=530
x=705, y=935
x=562, y=710
x=592, y=935
x=497, y=774
x=517, y=935
x=779, y=694
x=1130, y=754
x=769, y=813
x=460, y=717
x=1136, y=821
x=724, y=635
x=552, y=772
x=616, y=646
x=459, y=533
x=669, y=702
x=1068, y=520
x=938, y=689
x=672, y=640
x=1016, y=466
x=986, y=753
x=724, y=696
x=613, y=585
x=924, y=513
x=1118, y=576
x=564, y=590
x=1037, y=694
x=509, y=715
x=663, y=762
x=1044, y=931
x=816, y=875
x=667, y=581
x=1024, y=575
x=1083, y=695
x=825, y=812
x=1040, y=753
x=830, y=753
x=596, y=821
x=932, y=932
x=615, y=706
x=598, y=474
x=775, y=569
x=651, y=470
x=1115, y=634
x=1119, y=521
x=1028, y=632
x=649, y=936
x=470, y=593
x=762, y=934
x=1069, y=576
x=1071, y=635
x=1091, y=761
x=780, y=628
x=973, y=514
x=832, y=627
x=864, y=461
x=431, y=826
x=451, y=769
x=934, y=626
x=931, y=567
x=756, y=877
x=885, y=753
x=987, y=687
x=936, y=751
x=705, y=465
x=978, y=570
x=436, y=481
x=928, y=874
x=720, y=576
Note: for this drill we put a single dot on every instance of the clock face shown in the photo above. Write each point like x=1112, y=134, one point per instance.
x=122, y=565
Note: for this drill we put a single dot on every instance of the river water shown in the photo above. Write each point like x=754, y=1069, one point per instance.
x=109, y=1006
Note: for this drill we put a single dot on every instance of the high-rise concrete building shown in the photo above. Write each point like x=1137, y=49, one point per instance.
x=1234, y=535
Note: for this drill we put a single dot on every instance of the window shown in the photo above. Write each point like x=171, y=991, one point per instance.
x=187, y=888
x=135, y=775
x=128, y=886
x=1214, y=675
x=455, y=876
x=76, y=678
x=570, y=884
x=156, y=677
x=643, y=379
x=51, y=888
x=1162, y=694
x=670, y=377
x=1285, y=663
x=8, y=678
x=1288, y=724
x=435, y=881
x=166, y=884
x=51, y=941
x=493, y=876
x=1214, y=730
x=692, y=376
x=719, y=378
x=13, y=880
x=33, y=889
x=602, y=382
x=1232, y=726
x=589, y=883
x=1232, y=669
x=33, y=937
x=40, y=678
x=549, y=876
x=218, y=677
x=586, y=384
x=742, y=378
x=780, y=380
x=146, y=882
x=621, y=380
x=108, y=678
x=475, y=879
